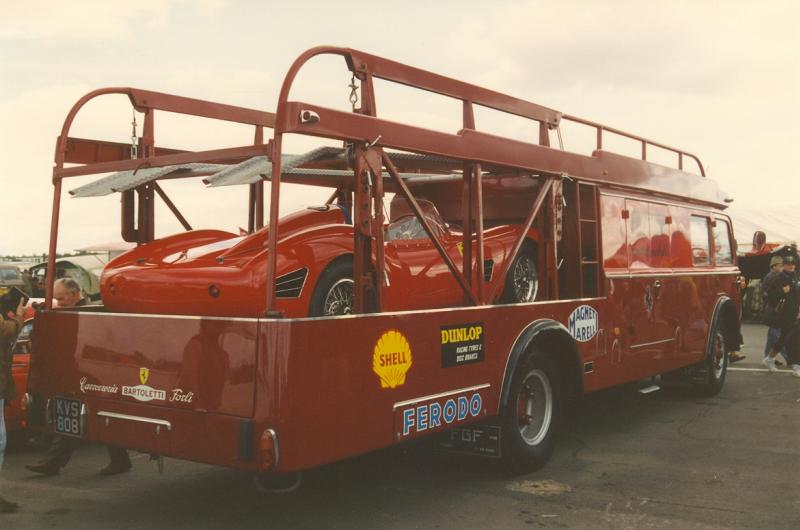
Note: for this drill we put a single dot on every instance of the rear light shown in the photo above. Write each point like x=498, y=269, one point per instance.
x=268, y=450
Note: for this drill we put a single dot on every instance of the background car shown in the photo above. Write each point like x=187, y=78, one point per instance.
x=15, y=410
x=10, y=276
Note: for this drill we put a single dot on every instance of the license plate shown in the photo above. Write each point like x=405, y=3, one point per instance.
x=476, y=439
x=68, y=417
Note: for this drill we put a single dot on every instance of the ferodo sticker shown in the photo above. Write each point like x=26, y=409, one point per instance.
x=461, y=344
x=437, y=412
x=391, y=359
x=583, y=323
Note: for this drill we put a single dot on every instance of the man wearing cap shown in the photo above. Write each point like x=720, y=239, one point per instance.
x=785, y=296
x=775, y=270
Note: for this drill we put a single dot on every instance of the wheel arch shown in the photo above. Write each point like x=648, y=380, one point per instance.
x=726, y=314
x=554, y=340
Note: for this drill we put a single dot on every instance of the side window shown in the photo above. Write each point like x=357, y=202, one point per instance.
x=638, y=234
x=659, y=237
x=680, y=245
x=615, y=253
x=701, y=249
x=722, y=243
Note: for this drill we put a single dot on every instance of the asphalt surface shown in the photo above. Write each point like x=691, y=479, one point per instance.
x=668, y=459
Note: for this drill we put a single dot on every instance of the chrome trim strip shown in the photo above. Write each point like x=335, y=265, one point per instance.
x=154, y=315
x=623, y=192
x=631, y=275
x=400, y=404
x=142, y=419
x=654, y=343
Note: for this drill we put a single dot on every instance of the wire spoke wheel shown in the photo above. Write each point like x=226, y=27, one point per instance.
x=525, y=280
x=339, y=299
x=534, y=407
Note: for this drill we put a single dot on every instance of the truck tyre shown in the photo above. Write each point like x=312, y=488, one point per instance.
x=277, y=483
x=333, y=294
x=522, y=280
x=715, y=365
x=532, y=415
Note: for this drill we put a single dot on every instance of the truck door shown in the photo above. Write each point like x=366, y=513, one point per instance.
x=650, y=336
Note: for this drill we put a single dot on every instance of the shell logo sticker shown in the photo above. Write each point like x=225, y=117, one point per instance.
x=391, y=359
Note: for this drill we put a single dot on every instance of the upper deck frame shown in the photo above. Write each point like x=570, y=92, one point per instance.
x=369, y=136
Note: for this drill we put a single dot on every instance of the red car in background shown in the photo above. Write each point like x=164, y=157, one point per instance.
x=15, y=410
x=217, y=273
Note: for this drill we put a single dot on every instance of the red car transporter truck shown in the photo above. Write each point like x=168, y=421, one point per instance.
x=510, y=278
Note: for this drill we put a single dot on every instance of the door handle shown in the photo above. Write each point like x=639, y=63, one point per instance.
x=657, y=284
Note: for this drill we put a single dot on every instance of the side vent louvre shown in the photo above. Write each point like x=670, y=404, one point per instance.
x=290, y=285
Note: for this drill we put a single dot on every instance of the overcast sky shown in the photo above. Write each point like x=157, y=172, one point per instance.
x=718, y=79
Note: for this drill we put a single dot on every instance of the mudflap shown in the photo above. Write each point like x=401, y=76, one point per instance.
x=476, y=439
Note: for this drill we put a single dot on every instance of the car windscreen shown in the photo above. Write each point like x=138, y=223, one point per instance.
x=9, y=274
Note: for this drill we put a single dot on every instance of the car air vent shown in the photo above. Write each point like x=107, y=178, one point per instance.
x=290, y=285
x=488, y=266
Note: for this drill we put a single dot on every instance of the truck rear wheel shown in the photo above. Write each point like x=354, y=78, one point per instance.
x=276, y=483
x=715, y=365
x=532, y=415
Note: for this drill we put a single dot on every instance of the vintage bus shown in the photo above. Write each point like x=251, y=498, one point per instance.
x=510, y=278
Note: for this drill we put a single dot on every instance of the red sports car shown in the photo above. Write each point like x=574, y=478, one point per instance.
x=15, y=410
x=211, y=272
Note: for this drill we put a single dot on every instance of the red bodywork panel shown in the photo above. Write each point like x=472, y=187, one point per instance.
x=15, y=411
x=178, y=274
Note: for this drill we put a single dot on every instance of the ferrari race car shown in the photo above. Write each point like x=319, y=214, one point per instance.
x=217, y=273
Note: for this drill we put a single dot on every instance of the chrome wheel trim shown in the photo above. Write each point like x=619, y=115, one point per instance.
x=525, y=279
x=534, y=407
x=718, y=353
x=339, y=298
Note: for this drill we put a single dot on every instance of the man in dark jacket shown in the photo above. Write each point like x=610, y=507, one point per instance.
x=775, y=270
x=784, y=300
x=10, y=324
x=67, y=293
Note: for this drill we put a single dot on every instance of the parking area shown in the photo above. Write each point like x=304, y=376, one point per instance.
x=667, y=459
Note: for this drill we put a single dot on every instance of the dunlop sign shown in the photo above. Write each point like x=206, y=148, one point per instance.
x=461, y=344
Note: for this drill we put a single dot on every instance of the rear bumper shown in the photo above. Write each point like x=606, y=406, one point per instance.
x=215, y=439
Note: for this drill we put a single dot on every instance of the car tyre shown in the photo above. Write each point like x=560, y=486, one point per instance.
x=522, y=280
x=532, y=415
x=333, y=294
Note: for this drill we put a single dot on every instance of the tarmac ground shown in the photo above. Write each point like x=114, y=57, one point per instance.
x=667, y=459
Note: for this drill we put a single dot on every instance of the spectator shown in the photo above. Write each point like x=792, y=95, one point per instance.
x=10, y=324
x=785, y=295
x=27, y=282
x=67, y=293
x=775, y=270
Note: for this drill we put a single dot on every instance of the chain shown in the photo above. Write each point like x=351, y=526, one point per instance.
x=134, y=138
x=353, y=92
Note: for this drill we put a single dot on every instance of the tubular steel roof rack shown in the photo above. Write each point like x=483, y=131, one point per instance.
x=367, y=136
